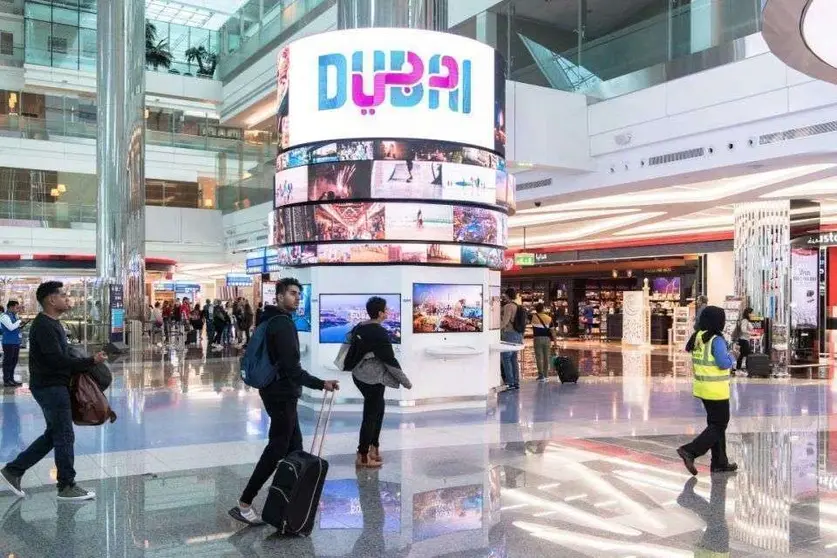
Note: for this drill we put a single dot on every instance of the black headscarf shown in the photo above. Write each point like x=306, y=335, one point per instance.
x=711, y=323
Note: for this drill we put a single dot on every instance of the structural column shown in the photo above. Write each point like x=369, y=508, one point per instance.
x=120, y=152
x=415, y=14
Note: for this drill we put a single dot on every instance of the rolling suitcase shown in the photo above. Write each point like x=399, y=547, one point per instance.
x=294, y=495
x=566, y=370
x=758, y=366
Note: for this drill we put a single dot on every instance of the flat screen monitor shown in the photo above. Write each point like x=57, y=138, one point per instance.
x=447, y=308
x=339, y=313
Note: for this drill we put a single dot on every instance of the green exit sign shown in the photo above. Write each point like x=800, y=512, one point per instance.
x=524, y=258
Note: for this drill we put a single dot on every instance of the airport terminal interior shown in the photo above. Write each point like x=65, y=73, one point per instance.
x=551, y=199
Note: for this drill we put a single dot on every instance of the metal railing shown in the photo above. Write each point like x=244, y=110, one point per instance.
x=46, y=214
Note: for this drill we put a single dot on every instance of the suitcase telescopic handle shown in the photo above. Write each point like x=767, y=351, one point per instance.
x=322, y=420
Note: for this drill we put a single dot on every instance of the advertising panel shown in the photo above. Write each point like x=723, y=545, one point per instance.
x=804, y=286
x=382, y=83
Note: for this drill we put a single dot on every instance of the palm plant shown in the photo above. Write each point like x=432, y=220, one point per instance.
x=157, y=53
x=206, y=60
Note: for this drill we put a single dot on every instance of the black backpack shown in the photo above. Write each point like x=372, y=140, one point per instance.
x=520, y=319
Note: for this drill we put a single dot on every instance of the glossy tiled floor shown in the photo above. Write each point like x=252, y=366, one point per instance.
x=551, y=470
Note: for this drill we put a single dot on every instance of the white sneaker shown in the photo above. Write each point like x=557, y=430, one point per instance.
x=248, y=516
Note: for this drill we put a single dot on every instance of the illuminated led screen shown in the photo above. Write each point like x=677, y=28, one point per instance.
x=388, y=150
x=380, y=83
x=381, y=221
x=443, y=308
x=364, y=180
x=384, y=253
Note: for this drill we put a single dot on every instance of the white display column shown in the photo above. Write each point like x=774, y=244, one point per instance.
x=391, y=181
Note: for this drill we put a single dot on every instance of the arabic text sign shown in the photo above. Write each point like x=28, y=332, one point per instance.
x=391, y=83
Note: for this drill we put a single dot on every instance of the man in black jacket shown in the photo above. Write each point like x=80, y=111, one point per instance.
x=280, y=398
x=50, y=370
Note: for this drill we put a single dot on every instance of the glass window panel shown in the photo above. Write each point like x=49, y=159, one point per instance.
x=37, y=35
x=87, y=50
x=65, y=16
x=63, y=43
x=40, y=12
x=87, y=20
x=179, y=41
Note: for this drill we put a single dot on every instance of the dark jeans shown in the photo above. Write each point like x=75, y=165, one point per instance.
x=219, y=333
x=283, y=438
x=59, y=435
x=10, y=356
x=713, y=436
x=373, y=415
x=744, y=345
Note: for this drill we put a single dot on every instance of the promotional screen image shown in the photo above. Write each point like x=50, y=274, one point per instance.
x=406, y=179
x=477, y=225
x=804, y=287
x=495, y=307
x=448, y=510
x=335, y=152
x=666, y=286
x=350, y=221
x=343, y=503
x=442, y=308
x=339, y=313
x=482, y=256
x=392, y=83
x=376, y=253
x=291, y=186
x=469, y=183
x=417, y=221
x=499, y=104
x=302, y=317
x=444, y=254
x=283, y=75
x=339, y=181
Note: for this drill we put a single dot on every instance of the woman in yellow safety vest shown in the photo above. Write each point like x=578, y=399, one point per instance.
x=711, y=362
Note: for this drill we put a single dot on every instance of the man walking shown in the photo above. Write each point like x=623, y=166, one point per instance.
x=280, y=398
x=511, y=331
x=50, y=370
x=10, y=326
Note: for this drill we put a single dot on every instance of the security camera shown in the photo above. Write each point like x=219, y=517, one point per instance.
x=537, y=204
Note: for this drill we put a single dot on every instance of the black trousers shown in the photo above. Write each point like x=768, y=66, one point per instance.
x=744, y=345
x=713, y=437
x=283, y=438
x=11, y=353
x=373, y=415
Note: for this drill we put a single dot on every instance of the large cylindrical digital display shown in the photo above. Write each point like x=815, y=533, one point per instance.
x=391, y=150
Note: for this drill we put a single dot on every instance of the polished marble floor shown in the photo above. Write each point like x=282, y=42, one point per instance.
x=551, y=470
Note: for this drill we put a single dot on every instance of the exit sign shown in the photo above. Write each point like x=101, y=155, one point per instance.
x=524, y=258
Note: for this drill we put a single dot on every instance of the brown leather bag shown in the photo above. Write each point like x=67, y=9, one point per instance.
x=89, y=405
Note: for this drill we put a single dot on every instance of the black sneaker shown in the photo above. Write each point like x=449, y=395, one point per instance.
x=688, y=460
x=728, y=468
x=13, y=481
x=12, y=384
x=75, y=493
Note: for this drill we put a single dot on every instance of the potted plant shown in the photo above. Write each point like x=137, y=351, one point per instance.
x=157, y=53
x=205, y=59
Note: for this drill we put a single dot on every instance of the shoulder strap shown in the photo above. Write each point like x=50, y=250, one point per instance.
x=538, y=316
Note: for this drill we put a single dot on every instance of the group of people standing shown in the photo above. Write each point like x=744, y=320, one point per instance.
x=226, y=323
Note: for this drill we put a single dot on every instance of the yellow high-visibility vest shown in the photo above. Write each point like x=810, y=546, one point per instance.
x=710, y=381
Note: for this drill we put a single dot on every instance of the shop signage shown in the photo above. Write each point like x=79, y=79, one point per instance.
x=177, y=286
x=524, y=259
x=239, y=280
x=256, y=264
x=117, y=313
x=825, y=239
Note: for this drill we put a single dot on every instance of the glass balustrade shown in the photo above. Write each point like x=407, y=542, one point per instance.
x=256, y=25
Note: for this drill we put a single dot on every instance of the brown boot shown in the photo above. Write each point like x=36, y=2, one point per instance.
x=366, y=462
x=375, y=454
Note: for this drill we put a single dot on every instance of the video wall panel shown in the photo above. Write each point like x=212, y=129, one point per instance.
x=394, y=180
x=339, y=313
x=383, y=253
x=389, y=221
x=447, y=308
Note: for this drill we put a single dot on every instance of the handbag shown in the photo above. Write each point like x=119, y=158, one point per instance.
x=88, y=404
x=101, y=372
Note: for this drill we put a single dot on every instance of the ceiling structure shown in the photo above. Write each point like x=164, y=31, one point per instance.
x=687, y=210
x=206, y=14
x=801, y=34
x=602, y=17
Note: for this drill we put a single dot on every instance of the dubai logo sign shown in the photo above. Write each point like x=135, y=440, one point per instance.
x=441, y=78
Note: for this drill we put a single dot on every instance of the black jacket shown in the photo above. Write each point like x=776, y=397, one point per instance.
x=371, y=337
x=50, y=363
x=283, y=348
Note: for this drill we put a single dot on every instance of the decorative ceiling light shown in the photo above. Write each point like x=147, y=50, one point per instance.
x=818, y=30
x=61, y=188
x=54, y=193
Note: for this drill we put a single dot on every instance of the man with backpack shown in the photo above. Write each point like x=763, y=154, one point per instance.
x=512, y=326
x=277, y=340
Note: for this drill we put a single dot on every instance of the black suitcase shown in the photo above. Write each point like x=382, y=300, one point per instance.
x=192, y=337
x=566, y=370
x=294, y=495
x=758, y=366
